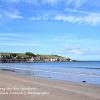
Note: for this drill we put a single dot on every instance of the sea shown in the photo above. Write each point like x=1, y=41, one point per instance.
x=82, y=71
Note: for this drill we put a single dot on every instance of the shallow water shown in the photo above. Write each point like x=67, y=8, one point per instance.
x=70, y=71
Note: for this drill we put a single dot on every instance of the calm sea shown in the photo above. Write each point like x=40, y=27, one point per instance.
x=88, y=71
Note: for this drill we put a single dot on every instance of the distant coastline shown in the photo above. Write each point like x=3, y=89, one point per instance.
x=31, y=57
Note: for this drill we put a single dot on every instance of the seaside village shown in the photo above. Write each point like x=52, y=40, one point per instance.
x=30, y=57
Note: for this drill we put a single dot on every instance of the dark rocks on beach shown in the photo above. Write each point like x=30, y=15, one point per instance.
x=83, y=81
x=33, y=73
x=11, y=70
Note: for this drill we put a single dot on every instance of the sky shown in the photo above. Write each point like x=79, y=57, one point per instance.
x=69, y=28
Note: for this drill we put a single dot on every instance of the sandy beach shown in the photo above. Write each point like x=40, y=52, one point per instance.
x=17, y=87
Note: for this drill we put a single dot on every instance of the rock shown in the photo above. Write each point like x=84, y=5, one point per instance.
x=83, y=81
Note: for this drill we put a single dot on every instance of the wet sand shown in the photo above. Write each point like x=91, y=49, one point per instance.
x=18, y=87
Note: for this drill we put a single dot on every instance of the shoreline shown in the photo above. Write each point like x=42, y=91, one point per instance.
x=19, y=71
x=55, y=89
x=11, y=71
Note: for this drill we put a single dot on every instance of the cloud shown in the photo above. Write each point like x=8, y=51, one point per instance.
x=18, y=1
x=10, y=35
x=12, y=14
x=19, y=44
x=51, y=2
x=7, y=39
x=40, y=17
x=66, y=14
x=92, y=19
x=77, y=50
x=79, y=11
x=75, y=3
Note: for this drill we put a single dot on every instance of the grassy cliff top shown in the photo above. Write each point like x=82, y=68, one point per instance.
x=25, y=55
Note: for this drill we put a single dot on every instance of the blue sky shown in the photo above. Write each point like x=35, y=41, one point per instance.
x=70, y=28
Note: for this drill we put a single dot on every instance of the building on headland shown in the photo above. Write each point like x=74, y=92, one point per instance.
x=38, y=58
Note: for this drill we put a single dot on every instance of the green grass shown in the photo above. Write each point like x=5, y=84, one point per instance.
x=24, y=55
